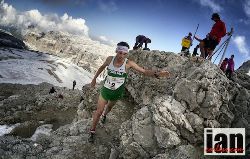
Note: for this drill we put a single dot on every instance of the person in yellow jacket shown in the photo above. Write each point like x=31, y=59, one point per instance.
x=186, y=43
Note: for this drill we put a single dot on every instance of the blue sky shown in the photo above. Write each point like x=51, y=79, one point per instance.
x=166, y=22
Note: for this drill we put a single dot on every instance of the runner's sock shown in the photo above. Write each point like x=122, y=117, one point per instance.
x=103, y=119
x=91, y=136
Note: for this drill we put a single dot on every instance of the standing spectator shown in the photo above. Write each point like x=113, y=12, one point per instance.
x=186, y=43
x=214, y=37
x=195, y=51
x=74, y=84
x=230, y=67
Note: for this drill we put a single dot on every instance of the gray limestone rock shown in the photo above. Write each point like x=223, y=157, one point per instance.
x=158, y=118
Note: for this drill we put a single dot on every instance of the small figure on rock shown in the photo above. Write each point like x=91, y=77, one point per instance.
x=52, y=90
x=140, y=39
x=74, y=84
x=186, y=43
x=60, y=96
x=230, y=67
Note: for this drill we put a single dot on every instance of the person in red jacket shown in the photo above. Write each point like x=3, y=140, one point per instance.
x=213, y=38
x=223, y=65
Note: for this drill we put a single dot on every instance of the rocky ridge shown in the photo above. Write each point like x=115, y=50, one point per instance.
x=80, y=50
x=7, y=40
x=158, y=118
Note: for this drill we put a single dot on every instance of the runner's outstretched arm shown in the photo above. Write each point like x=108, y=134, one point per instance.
x=132, y=64
x=196, y=38
x=101, y=68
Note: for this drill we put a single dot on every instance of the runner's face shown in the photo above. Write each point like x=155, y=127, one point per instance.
x=121, y=55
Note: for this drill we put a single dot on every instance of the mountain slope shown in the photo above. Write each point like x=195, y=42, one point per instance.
x=7, y=40
x=29, y=67
x=81, y=50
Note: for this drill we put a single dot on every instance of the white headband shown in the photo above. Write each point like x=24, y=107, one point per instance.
x=122, y=48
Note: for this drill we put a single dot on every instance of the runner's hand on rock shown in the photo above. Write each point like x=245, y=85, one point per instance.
x=162, y=73
x=93, y=82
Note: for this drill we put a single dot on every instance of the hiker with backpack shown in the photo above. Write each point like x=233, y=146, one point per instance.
x=186, y=43
x=230, y=67
x=213, y=38
x=114, y=83
x=140, y=39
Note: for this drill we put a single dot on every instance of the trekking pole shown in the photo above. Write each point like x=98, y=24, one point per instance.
x=224, y=44
x=222, y=57
x=195, y=31
x=219, y=47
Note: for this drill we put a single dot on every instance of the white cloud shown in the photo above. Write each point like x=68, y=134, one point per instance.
x=107, y=5
x=245, y=21
x=240, y=42
x=44, y=22
x=105, y=40
x=246, y=7
x=7, y=12
x=211, y=4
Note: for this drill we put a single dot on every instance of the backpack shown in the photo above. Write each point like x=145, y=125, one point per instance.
x=186, y=42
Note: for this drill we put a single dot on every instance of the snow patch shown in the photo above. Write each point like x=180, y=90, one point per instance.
x=43, y=130
x=6, y=129
x=27, y=67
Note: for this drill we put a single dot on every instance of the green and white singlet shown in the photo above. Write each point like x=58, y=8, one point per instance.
x=114, y=84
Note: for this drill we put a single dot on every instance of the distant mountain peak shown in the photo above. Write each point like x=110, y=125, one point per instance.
x=8, y=40
x=245, y=67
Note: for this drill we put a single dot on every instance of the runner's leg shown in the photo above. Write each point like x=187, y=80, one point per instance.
x=202, y=49
x=109, y=107
x=210, y=53
x=100, y=107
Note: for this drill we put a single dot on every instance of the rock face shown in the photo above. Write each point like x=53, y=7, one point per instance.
x=245, y=67
x=82, y=51
x=21, y=103
x=158, y=118
x=7, y=40
x=176, y=109
x=242, y=75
